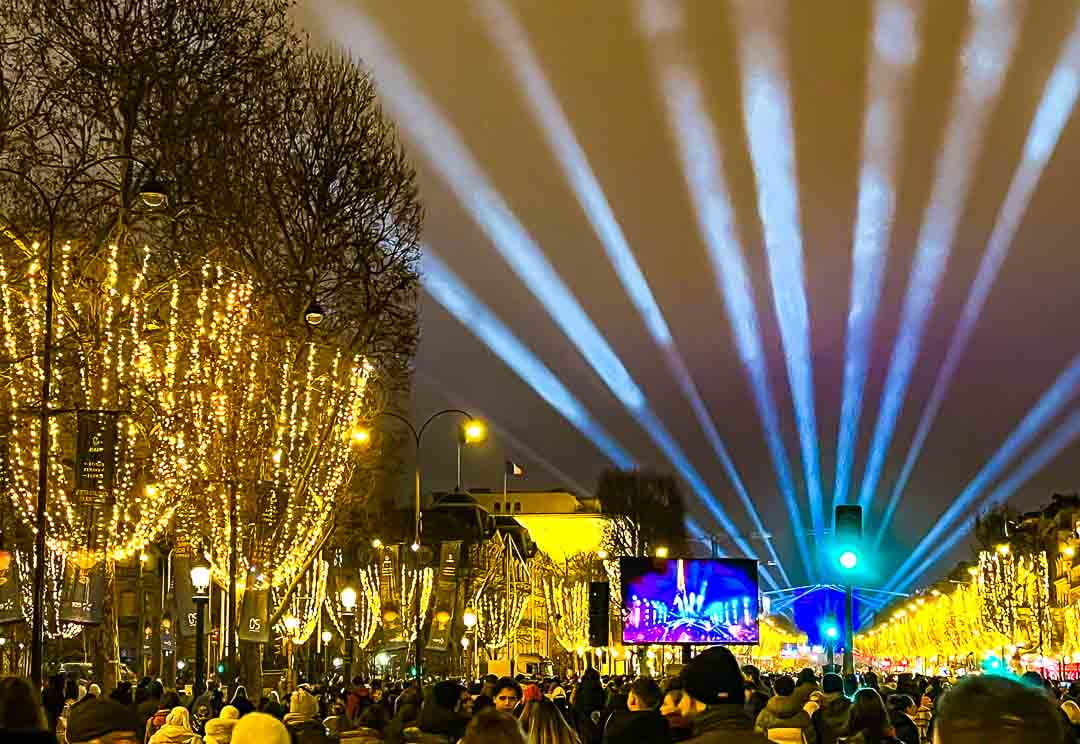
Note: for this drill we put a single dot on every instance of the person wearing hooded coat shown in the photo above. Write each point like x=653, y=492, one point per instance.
x=784, y=717
x=302, y=720
x=241, y=702
x=589, y=702
x=440, y=715
x=177, y=729
x=831, y=719
x=219, y=730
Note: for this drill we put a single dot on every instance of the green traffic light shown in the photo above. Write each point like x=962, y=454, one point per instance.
x=831, y=632
x=849, y=559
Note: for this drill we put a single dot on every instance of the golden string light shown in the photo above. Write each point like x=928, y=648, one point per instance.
x=303, y=604
x=102, y=300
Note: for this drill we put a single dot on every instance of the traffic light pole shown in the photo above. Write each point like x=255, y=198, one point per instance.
x=849, y=632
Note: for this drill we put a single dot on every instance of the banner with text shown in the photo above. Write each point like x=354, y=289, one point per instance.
x=95, y=456
x=254, y=624
x=446, y=581
x=11, y=609
x=82, y=594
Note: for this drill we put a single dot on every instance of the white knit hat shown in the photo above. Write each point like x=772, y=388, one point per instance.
x=259, y=728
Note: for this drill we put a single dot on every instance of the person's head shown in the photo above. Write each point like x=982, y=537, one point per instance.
x=990, y=708
x=1074, y=689
x=71, y=689
x=870, y=680
x=493, y=726
x=1072, y=712
x=531, y=693
x=751, y=674
x=783, y=686
x=547, y=725
x=357, y=681
x=94, y=690
x=170, y=700
x=240, y=693
x=202, y=711
x=229, y=713
x=670, y=706
x=179, y=716
x=260, y=728
x=447, y=694
x=1032, y=678
x=868, y=715
x=832, y=684
x=20, y=706
x=851, y=684
x=902, y=704
x=713, y=677
x=156, y=689
x=644, y=694
x=807, y=677
x=507, y=694
x=102, y=721
x=212, y=685
x=482, y=702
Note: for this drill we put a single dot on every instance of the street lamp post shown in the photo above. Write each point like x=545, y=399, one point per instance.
x=474, y=431
x=200, y=594
x=469, y=620
x=153, y=196
x=327, y=636
x=348, y=603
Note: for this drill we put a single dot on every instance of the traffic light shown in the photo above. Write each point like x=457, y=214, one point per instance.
x=848, y=520
x=832, y=633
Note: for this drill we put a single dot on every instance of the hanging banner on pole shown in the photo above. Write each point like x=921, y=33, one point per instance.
x=442, y=620
x=95, y=456
x=254, y=622
x=182, y=592
x=11, y=609
x=82, y=594
x=390, y=593
x=5, y=466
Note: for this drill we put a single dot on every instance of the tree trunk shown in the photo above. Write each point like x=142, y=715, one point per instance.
x=251, y=668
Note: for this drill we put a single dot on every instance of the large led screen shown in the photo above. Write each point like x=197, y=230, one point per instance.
x=676, y=600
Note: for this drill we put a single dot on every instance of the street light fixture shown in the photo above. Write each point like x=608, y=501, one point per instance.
x=348, y=603
x=314, y=315
x=200, y=594
x=662, y=552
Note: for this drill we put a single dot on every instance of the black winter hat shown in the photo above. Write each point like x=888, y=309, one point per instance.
x=714, y=676
x=96, y=717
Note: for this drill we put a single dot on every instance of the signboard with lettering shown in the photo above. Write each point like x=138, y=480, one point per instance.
x=446, y=582
x=11, y=609
x=82, y=594
x=95, y=456
x=254, y=623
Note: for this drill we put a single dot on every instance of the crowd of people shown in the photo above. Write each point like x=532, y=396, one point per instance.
x=712, y=701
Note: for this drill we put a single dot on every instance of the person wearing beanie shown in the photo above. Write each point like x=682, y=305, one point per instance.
x=302, y=720
x=260, y=728
x=806, y=685
x=831, y=719
x=784, y=719
x=713, y=700
x=101, y=719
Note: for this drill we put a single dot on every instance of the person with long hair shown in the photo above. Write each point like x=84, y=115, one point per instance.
x=491, y=726
x=869, y=720
x=547, y=725
x=22, y=717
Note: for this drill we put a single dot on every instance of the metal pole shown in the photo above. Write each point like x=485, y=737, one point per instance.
x=419, y=652
x=37, y=644
x=200, y=646
x=849, y=632
x=230, y=640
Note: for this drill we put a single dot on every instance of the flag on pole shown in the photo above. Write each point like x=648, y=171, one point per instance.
x=512, y=468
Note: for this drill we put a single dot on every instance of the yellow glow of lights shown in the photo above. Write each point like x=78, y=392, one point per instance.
x=292, y=623
x=973, y=570
x=661, y=552
x=475, y=431
x=1069, y=551
x=376, y=543
x=360, y=436
x=1003, y=549
x=469, y=618
x=602, y=554
x=348, y=598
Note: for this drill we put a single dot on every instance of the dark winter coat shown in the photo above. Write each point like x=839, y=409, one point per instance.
x=786, y=712
x=831, y=719
x=906, y=730
x=637, y=727
x=308, y=731
x=725, y=723
x=435, y=719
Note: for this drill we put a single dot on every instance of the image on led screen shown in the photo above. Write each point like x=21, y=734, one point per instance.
x=689, y=601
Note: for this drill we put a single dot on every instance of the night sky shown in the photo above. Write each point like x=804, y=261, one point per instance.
x=718, y=141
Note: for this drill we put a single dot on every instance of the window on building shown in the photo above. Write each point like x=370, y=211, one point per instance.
x=517, y=506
